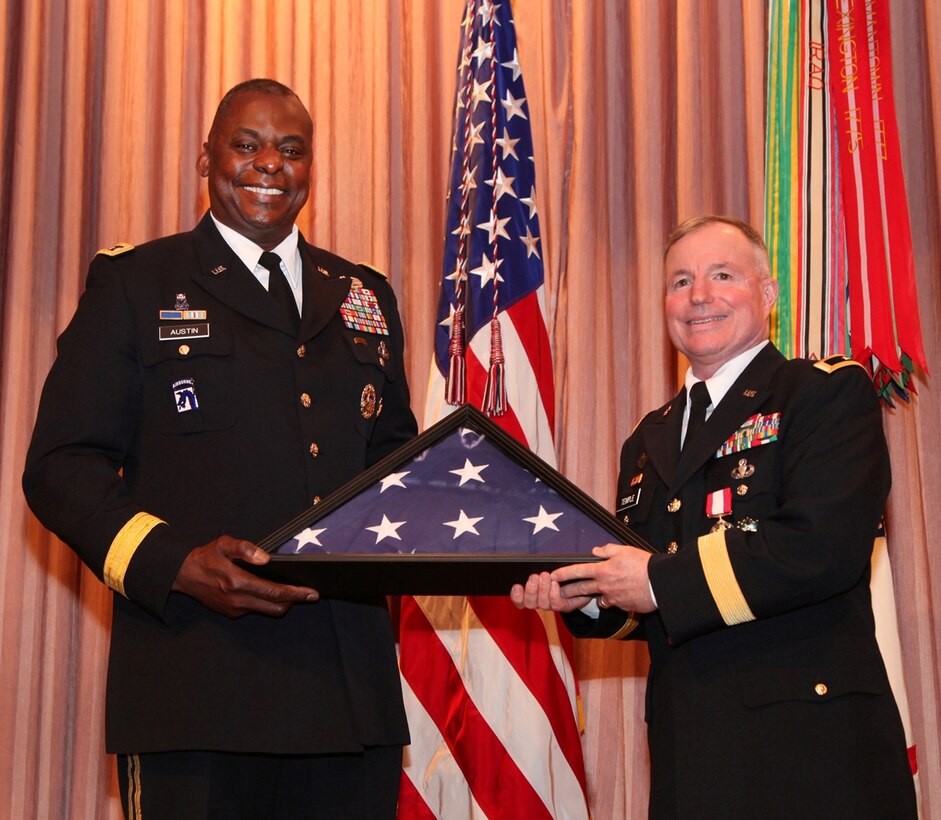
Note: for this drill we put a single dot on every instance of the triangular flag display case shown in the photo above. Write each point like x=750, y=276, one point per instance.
x=462, y=509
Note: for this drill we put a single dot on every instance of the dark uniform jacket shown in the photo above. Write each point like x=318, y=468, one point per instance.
x=231, y=428
x=767, y=695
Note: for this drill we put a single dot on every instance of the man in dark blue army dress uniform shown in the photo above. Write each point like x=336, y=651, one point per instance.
x=210, y=387
x=761, y=487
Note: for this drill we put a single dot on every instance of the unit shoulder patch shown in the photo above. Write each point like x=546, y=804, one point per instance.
x=374, y=270
x=117, y=250
x=833, y=363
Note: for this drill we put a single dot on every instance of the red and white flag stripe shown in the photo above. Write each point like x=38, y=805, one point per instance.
x=490, y=691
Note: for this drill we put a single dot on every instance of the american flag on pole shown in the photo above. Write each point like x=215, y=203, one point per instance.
x=490, y=692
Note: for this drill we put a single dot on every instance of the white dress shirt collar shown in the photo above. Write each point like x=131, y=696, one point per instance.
x=250, y=253
x=718, y=383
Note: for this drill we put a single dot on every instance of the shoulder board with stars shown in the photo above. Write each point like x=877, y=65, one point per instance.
x=374, y=270
x=117, y=250
x=834, y=363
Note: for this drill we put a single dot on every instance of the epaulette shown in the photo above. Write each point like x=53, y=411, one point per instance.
x=833, y=363
x=374, y=270
x=637, y=425
x=117, y=250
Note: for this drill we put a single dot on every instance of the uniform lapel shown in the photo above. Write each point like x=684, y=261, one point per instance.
x=324, y=291
x=662, y=437
x=743, y=399
x=223, y=275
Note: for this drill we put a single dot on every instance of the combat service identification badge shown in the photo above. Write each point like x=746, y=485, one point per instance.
x=184, y=394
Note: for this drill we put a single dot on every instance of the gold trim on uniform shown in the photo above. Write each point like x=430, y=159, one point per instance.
x=717, y=567
x=629, y=626
x=833, y=363
x=117, y=250
x=133, y=787
x=124, y=546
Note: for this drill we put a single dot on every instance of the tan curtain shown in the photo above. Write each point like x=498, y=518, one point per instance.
x=643, y=113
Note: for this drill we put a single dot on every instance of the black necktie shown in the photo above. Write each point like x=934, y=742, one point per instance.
x=699, y=401
x=278, y=287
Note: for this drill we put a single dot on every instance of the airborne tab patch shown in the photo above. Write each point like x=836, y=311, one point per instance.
x=184, y=395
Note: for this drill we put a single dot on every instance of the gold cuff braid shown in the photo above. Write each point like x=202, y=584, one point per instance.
x=124, y=546
x=629, y=626
x=726, y=592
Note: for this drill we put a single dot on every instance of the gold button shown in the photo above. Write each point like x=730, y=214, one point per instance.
x=627, y=519
x=301, y=352
x=305, y=399
x=672, y=547
x=821, y=689
x=741, y=489
x=674, y=505
x=316, y=500
x=184, y=350
x=314, y=450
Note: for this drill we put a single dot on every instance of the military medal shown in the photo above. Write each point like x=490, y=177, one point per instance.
x=360, y=311
x=367, y=402
x=719, y=505
x=755, y=431
x=744, y=470
x=182, y=315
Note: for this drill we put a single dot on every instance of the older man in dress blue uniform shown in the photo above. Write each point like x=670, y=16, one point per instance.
x=760, y=486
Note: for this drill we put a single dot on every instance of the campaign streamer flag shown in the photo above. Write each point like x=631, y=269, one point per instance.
x=836, y=213
x=490, y=692
x=836, y=221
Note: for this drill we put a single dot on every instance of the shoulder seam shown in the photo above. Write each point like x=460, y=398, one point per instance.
x=373, y=269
